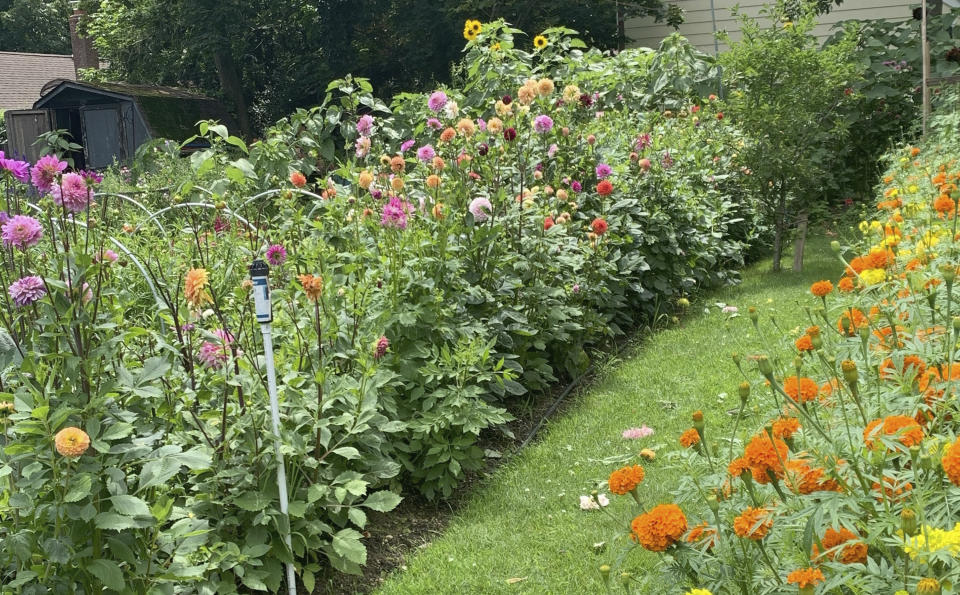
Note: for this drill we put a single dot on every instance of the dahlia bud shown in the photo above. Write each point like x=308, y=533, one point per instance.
x=849, y=369
x=591, y=139
x=634, y=156
x=565, y=131
x=380, y=347
x=744, y=391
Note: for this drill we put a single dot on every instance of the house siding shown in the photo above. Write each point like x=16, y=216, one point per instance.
x=698, y=26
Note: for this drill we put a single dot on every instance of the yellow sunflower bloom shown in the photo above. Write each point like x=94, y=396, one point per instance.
x=539, y=42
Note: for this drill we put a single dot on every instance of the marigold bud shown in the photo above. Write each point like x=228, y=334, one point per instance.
x=744, y=390
x=754, y=315
x=605, y=572
x=956, y=324
x=849, y=369
x=835, y=246
x=766, y=368
x=816, y=340
x=908, y=522
x=625, y=578
x=949, y=273
x=928, y=586
x=736, y=358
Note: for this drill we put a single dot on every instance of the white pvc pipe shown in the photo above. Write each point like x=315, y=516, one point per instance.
x=267, y=330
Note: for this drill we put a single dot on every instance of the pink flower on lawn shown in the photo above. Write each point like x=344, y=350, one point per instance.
x=21, y=231
x=44, y=173
x=588, y=503
x=71, y=193
x=641, y=432
x=27, y=290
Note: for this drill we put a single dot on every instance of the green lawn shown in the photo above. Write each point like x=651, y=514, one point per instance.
x=524, y=522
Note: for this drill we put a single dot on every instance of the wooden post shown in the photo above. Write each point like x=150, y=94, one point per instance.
x=799, y=242
x=925, y=50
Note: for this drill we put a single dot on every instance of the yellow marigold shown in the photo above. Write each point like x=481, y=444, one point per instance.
x=659, y=528
x=689, y=438
x=800, y=389
x=312, y=285
x=805, y=578
x=821, y=288
x=71, y=442
x=698, y=592
x=624, y=480
x=195, y=288
x=951, y=462
x=928, y=586
x=539, y=42
x=873, y=276
x=753, y=523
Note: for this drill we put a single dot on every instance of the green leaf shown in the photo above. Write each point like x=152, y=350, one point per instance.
x=114, y=522
x=347, y=452
x=346, y=542
x=252, y=501
x=382, y=501
x=357, y=487
x=130, y=505
x=117, y=431
x=79, y=488
x=108, y=572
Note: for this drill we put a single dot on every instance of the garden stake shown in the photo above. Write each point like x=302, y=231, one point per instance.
x=261, y=299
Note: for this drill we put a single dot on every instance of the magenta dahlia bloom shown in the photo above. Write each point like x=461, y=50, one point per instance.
x=603, y=170
x=221, y=225
x=426, y=153
x=380, y=348
x=44, y=173
x=437, y=100
x=276, y=255
x=543, y=124
x=214, y=355
x=365, y=125
x=434, y=123
x=576, y=186
x=406, y=145
x=20, y=170
x=395, y=213
x=27, y=290
x=21, y=231
x=108, y=255
x=481, y=209
x=71, y=192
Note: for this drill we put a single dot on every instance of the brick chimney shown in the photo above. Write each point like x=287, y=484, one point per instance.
x=84, y=54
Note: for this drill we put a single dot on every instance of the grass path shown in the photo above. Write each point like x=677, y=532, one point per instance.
x=524, y=522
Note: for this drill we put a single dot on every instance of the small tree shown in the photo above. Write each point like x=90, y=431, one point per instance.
x=785, y=94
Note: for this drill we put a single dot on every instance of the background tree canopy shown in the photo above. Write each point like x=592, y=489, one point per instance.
x=267, y=57
x=35, y=26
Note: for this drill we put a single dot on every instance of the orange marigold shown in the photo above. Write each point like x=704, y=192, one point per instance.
x=71, y=442
x=944, y=204
x=737, y=466
x=624, y=480
x=659, y=528
x=785, y=427
x=753, y=523
x=195, y=288
x=846, y=285
x=766, y=455
x=805, y=577
x=951, y=462
x=689, y=438
x=704, y=534
x=848, y=553
x=804, y=344
x=801, y=478
x=905, y=428
x=312, y=285
x=888, y=368
x=821, y=288
x=850, y=321
x=892, y=488
x=800, y=389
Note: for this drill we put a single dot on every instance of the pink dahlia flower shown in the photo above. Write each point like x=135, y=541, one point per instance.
x=21, y=231
x=71, y=192
x=27, y=290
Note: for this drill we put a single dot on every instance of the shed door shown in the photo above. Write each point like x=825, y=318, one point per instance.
x=23, y=128
x=103, y=136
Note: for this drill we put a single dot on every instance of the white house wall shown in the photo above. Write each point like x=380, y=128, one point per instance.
x=698, y=25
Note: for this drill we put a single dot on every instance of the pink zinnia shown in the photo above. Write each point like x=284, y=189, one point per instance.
x=634, y=433
x=481, y=209
x=71, y=192
x=437, y=100
x=45, y=172
x=214, y=355
x=27, y=290
x=276, y=255
x=21, y=231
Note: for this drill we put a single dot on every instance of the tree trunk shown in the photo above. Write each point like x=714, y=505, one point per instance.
x=232, y=88
x=799, y=243
x=777, y=242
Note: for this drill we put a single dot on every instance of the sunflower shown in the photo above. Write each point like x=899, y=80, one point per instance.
x=539, y=42
x=471, y=29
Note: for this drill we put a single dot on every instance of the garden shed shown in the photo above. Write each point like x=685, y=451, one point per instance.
x=110, y=120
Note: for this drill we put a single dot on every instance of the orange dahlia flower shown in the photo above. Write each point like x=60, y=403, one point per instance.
x=195, y=288
x=71, y=442
x=312, y=285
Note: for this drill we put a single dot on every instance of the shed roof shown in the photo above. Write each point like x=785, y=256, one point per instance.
x=169, y=112
x=24, y=74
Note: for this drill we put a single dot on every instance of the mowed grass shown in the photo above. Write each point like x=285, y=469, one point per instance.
x=522, y=530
